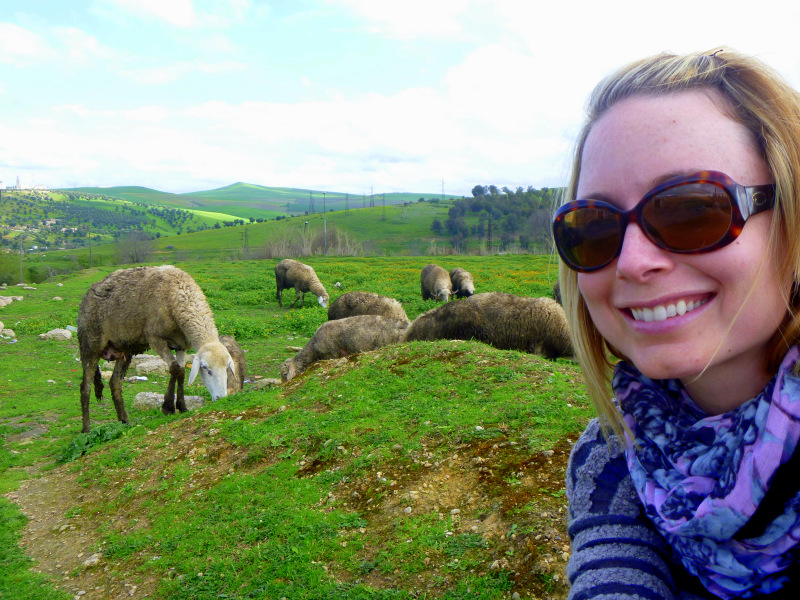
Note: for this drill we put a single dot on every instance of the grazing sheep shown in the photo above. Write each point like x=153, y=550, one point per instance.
x=463, y=286
x=557, y=292
x=506, y=321
x=342, y=337
x=235, y=376
x=435, y=283
x=352, y=304
x=294, y=274
x=161, y=308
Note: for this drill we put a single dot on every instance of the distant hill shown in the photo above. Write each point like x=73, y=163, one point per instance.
x=244, y=200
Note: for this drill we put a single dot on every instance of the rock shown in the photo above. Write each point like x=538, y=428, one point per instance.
x=9, y=333
x=151, y=400
x=57, y=298
x=92, y=560
x=2, y=326
x=56, y=334
x=147, y=364
x=266, y=383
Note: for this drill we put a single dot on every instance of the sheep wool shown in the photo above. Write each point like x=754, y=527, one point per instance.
x=353, y=304
x=505, y=321
x=161, y=308
x=236, y=374
x=294, y=274
x=463, y=285
x=343, y=337
x=435, y=283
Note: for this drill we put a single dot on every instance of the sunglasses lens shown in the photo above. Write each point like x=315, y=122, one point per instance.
x=688, y=218
x=588, y=237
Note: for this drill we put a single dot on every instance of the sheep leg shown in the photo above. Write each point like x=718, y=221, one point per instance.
x=280, y=297
x=98, y=385
x=120, y=368
x=89, y=369
x=177, y=373
x=296, y=298
x=181, y=362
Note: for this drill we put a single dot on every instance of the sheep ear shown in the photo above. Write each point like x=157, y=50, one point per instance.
x=195, y=369
x=232, y=367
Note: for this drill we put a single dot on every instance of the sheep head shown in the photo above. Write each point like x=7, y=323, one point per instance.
x=323, y=300
x=288, y=370
x=212, y=361
x=443, y=294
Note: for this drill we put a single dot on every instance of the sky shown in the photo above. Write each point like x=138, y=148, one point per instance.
x=359, y=96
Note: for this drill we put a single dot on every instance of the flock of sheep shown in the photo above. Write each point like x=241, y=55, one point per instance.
x=171, y=314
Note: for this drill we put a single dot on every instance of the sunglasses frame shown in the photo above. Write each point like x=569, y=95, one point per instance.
x=746, y=201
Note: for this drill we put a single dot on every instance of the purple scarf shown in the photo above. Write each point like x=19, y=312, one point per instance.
x=701, y=478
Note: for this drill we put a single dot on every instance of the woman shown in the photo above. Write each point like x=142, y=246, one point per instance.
x=680, y=264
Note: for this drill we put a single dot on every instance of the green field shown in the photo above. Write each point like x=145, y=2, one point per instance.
x=422, y=470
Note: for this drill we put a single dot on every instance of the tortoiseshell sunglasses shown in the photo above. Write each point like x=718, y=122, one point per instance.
x=689, y=214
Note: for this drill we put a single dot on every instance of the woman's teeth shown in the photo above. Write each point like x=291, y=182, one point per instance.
x=663, y=312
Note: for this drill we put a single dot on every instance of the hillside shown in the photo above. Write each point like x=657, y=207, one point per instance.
x=423, y=470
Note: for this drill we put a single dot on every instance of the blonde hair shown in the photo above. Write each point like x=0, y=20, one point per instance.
x=769, y=108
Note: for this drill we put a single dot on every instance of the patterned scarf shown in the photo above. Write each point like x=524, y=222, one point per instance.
x=702, y=478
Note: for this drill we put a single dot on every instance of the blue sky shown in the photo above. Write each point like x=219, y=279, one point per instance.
x=339, y=95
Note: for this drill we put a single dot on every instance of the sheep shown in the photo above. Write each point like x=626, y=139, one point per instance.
x=505, y=321
x=161, y=308
x=235, y=376
x=557, y=292
x=463, y=286
x=342, y=337
x=435, y=283
x=366, y=303
x=294, y=274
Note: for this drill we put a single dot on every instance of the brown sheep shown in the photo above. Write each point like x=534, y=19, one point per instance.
x=294, y=274
x=352, y=304
x=236, y=376
x=463, y=285
x=161, y=308
x=435, y=283
x=506, y=321
x=342, y=337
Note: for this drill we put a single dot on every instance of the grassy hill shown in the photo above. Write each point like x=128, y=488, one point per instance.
x=425, y=470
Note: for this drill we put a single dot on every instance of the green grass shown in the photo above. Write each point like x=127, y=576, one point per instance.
x=298, y=491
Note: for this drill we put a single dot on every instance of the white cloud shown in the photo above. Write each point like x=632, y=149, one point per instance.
x=175, y=71
x=411, y=18
x=22, y=47
x=188, y=13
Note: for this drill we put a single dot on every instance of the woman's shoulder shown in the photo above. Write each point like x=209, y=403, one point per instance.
x=598, y=480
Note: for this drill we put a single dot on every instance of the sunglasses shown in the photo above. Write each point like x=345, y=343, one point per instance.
x=689, y=214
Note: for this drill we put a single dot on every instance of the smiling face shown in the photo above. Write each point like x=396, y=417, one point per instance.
x=673, y=315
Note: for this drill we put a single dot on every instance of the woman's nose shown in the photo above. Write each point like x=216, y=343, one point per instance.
x=640, y=257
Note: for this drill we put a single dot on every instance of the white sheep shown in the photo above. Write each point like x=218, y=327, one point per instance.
x=161, y=308
x=463, y=285
x=506, y=321
x=352, y=304
x=294, y=274
x=343, y=337
x=435, y=283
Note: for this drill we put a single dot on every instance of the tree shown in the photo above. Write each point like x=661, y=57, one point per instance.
x=135, y=247
x=436, y=227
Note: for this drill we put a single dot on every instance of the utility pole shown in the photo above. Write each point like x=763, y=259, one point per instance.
x=89, y=237
x=21, y=252
x=324, y=225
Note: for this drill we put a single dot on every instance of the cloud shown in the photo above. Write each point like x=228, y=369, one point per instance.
x=188, y=14
x=175, y=71
x=22, y=47
x=411, y=18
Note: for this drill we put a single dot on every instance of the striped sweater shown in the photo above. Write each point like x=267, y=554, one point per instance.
x=616, y=551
